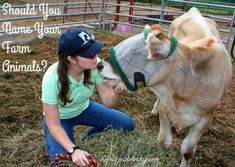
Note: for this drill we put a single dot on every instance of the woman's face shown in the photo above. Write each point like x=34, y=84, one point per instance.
x=86, y=63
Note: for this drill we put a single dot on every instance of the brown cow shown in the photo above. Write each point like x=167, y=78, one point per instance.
x=191, y=84
x=192, y=80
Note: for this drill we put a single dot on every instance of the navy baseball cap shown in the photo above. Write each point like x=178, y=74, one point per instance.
x=79, y=42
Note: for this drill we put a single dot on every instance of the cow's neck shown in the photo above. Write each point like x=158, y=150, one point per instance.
x=173, y=60
x=181, y=51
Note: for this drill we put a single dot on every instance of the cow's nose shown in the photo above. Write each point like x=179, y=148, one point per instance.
x=100, y=66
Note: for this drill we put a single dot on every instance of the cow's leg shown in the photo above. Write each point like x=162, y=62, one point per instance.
x=167, y=100
x=169, y=105
x=189, y=144
x=165, y=134
x=170, y=110
x=155, y=107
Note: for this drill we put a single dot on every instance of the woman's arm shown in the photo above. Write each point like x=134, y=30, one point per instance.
x=59, y=134
x=54, y=127
x=109, y=96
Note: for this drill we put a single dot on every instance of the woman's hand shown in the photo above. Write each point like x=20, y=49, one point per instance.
x=120, y=88
x=84, y=159
x=79, y=157
x=110, y=96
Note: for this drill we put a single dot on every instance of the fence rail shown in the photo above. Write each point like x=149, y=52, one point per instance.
x=104, y=10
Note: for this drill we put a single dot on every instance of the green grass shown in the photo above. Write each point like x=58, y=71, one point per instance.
x=231, y=2
x=2, y=2
x=105, y=32
x=129, y=149
x=135, y=149
x=111, y=149
x=202, y=8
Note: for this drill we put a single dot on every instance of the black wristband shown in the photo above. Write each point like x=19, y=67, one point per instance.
x=73, y=149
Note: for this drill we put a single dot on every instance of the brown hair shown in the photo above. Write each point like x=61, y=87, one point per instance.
x=64, y=88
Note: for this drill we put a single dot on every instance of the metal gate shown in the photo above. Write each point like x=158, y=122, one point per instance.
x=109, y=14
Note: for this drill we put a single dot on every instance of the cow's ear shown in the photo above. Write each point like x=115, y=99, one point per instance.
x=147, y=30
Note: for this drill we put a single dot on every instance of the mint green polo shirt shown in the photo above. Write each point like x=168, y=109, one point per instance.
x=79, y=93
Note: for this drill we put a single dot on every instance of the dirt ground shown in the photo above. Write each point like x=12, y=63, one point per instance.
x=21, y=114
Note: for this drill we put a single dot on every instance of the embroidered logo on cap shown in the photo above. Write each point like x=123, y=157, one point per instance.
x=85, y=37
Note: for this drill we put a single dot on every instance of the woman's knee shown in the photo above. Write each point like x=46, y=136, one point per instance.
x=128, y=124
x=124, y=121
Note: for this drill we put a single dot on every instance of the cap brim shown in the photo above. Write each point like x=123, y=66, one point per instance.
x=92, y=51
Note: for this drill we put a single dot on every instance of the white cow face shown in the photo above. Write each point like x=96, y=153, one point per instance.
x=107, y=71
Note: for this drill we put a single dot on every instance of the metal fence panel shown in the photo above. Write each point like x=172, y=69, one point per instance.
x=97, y=14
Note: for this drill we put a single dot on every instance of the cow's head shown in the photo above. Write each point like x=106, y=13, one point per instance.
x=129, y=59
x=106, y=69
x=158, y=43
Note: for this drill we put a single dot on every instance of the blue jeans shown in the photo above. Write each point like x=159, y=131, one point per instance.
x=96, y=115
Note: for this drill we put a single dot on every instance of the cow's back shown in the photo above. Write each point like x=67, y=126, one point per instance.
x=192, y=26
x=206, y=60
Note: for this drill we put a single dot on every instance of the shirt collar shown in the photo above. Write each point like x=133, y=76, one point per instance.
x=72, y=80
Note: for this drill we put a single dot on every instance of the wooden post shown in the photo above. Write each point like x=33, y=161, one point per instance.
x=131, y=11
x=65, y=10
x=116, y=16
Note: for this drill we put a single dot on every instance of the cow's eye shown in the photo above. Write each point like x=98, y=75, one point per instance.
x=159, y=35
